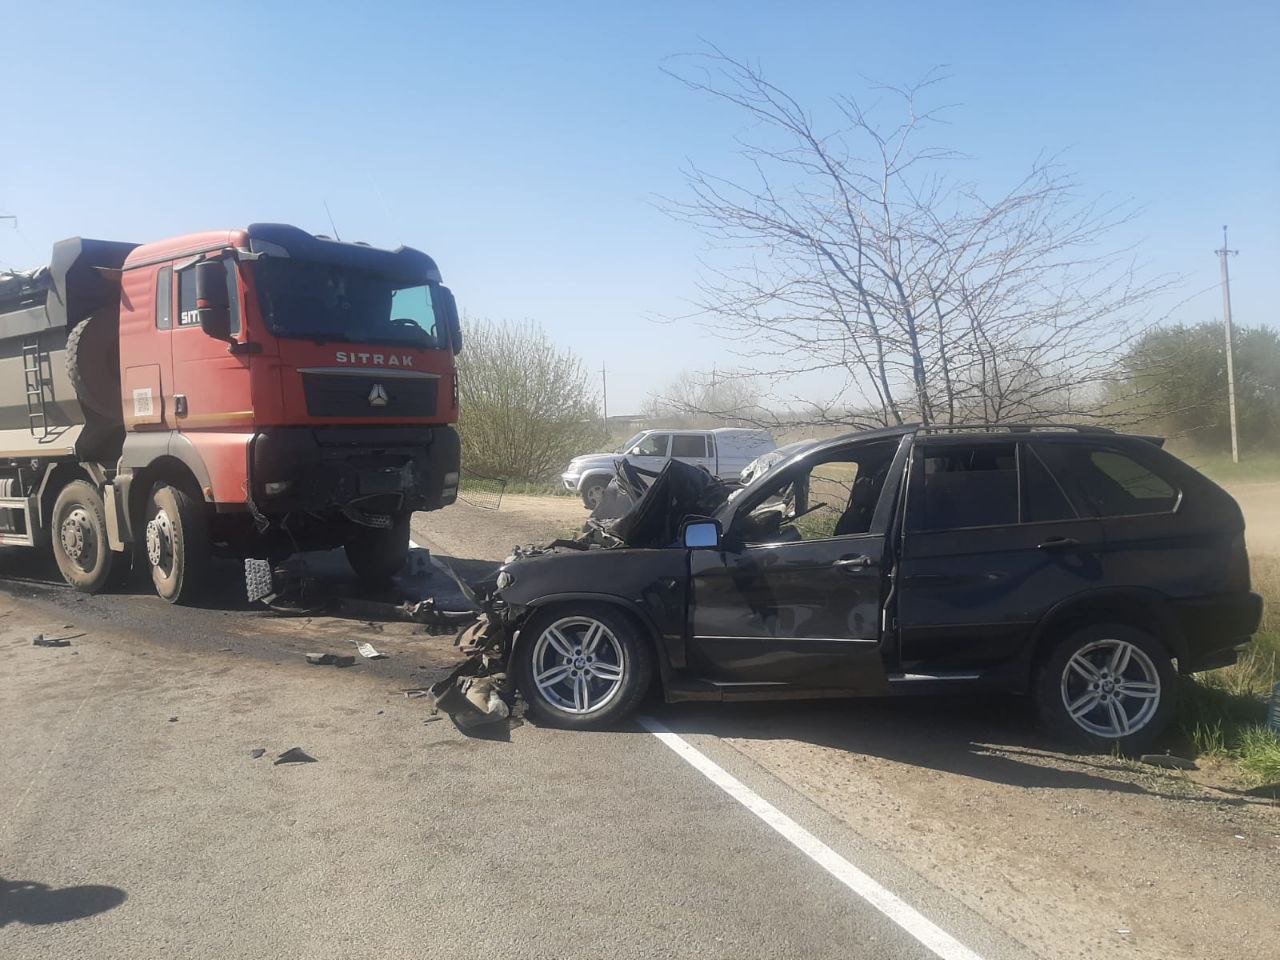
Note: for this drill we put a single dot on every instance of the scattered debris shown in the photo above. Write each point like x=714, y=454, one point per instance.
x=330, y=659
x=433, y=718
x=293, y=755
x=40, y=640
x=1239, y=836
x=367, y=650
x=415, y=694
x=1168, y=761
x=1123, y=931
x=473, y=701
x=173, y=719
x=257, y=752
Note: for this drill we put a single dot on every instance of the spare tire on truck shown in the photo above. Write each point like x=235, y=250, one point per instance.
x=93, y=364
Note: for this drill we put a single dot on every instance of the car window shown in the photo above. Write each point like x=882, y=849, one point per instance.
x=654, y=445
x=834, y=497
x=964, y=486
x=1107, y=482
x=1043, y=498
x=688, y=445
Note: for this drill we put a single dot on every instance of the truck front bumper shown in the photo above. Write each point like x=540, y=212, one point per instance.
x=374, y=469
x=571, y=481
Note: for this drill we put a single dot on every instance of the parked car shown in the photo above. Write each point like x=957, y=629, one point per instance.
x=1081, y=567
x=722, y=453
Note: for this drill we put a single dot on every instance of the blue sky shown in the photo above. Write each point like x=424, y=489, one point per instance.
x=523, y=145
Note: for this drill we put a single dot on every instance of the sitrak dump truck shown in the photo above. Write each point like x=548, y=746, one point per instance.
x=253, y=392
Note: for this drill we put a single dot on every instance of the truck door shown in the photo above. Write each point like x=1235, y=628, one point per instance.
x=794, y=599
x=651, y=453
x=210, y=387
x=146, y=319
x=692, y=449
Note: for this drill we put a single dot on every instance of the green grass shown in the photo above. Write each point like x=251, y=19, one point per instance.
x=1222, y=713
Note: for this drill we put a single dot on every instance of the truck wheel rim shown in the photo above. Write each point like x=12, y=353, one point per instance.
x=578, y=665
x=79, y=540
x=1111, y=688
x=160, y=542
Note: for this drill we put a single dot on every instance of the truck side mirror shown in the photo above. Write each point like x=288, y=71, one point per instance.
x=212, y=300
x=701, y=534
x=451, y=319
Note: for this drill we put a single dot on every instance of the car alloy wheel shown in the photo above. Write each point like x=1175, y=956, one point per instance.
x=1111, y=688
x=578, y=666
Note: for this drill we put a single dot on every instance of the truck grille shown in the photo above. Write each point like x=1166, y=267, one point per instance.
x=357, y=393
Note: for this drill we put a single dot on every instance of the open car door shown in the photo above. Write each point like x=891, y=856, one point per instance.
x=793, y=600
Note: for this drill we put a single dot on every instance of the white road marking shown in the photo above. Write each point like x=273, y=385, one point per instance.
x=892, y=906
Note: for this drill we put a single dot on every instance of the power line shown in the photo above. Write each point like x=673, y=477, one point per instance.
x=1226, y=319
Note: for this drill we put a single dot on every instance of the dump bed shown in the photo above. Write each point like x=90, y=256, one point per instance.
x=39, y=410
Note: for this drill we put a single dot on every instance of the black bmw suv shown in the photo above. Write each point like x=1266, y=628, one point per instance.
x=1082, y=567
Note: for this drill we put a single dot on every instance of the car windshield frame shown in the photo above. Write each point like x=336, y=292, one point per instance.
x=314, y=290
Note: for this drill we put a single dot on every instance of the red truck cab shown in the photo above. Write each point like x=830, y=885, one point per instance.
x=281, y=391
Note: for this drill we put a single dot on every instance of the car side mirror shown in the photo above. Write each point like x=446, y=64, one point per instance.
x=212, y=301
x=701, y=534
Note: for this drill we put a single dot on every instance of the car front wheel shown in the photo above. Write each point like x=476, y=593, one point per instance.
x=583, y=667
x=593, y=493
x=1108, y=686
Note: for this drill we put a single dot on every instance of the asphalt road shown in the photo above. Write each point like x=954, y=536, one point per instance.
x=137, y=823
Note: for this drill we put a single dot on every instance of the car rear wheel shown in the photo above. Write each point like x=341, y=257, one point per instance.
x=1108, y=686
x=593, y=492
x=582, y=667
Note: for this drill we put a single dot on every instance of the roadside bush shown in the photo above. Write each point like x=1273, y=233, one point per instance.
x=526, y=408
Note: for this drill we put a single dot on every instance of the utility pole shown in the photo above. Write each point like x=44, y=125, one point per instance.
x=1226, y=319
x=604, y=396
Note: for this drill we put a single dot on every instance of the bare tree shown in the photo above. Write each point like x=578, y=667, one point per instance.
x=526, y=407
x=707, y=400
x=849, y=253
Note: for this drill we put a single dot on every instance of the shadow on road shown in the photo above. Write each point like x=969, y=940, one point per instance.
x=991, y=738
x=25, y=901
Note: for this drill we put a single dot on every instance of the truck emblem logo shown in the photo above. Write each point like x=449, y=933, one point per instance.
x=378, y=396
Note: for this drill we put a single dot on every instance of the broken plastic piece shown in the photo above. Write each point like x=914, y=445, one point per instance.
x=367, y=650
x=293, y=755
x=40, y=640
x=330, y=659
x=257, y=752
x=257, y=579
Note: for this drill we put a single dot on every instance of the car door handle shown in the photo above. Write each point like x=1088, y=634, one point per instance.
x=860, y=562
x=1058, y=543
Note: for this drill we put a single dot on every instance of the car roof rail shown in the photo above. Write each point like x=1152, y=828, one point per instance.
x=1013, y=427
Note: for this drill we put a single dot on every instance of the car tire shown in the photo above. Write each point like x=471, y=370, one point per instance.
x=1107, y=686
x=377, y=554
x=603, y=654
x=79, y=537
x=592, y=492
x=176, y=542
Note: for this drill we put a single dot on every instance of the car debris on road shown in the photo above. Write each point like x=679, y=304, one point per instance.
x=40, y=640
x=294, y=755
x=330, y=659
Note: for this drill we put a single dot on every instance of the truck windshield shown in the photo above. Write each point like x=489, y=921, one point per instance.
x=323, y=302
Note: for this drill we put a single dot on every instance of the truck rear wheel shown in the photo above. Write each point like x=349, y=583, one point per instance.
x=79, y=534
x=177, y=542
x=377, y=554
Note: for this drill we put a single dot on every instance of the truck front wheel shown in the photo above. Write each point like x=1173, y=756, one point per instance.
x=377, y=554
x=79, y=535
x=177, y=542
